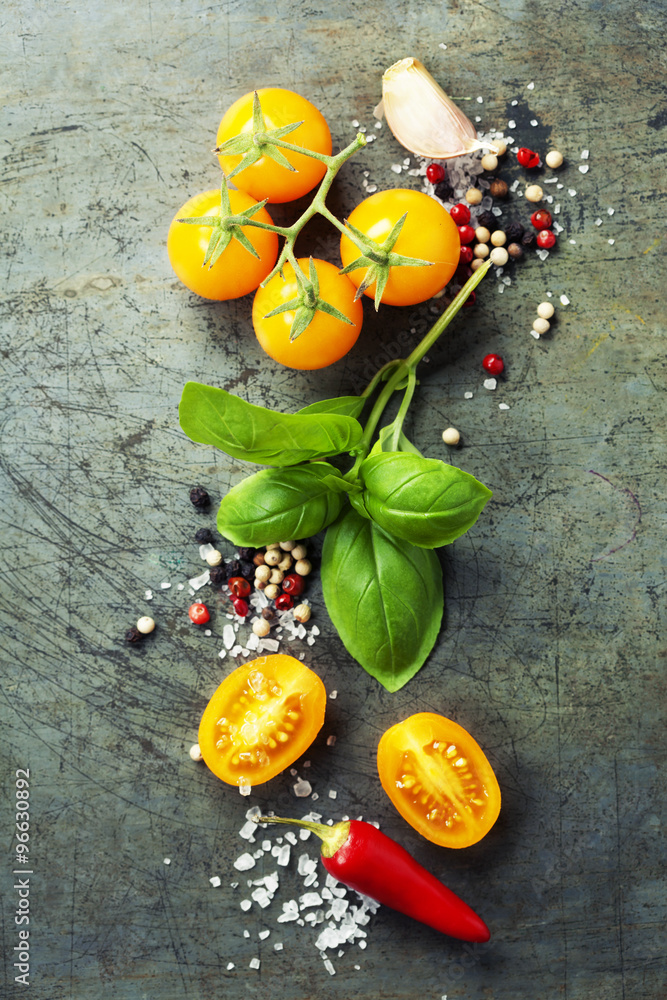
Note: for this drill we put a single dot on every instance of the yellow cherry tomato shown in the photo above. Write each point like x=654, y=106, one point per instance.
x=236, y=272
x=439, y=779
x=429, y=233
x=327, y=338
x=261, y=718
x=266, y=178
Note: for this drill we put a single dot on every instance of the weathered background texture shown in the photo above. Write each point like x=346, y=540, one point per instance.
x=551, y=650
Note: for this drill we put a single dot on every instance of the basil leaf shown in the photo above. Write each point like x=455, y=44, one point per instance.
x=256, y=434
x=420, y=499
x=384, y=597
x=383, y=442
x=350, y=406
x=276, y=504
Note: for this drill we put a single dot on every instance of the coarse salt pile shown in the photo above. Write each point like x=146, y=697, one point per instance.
x=339, y=916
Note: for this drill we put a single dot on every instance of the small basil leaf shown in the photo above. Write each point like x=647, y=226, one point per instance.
x=420, y=499
x=253, y=433
x=384, y=442
x=350, y=406
x=384, y=596
x=280, y=503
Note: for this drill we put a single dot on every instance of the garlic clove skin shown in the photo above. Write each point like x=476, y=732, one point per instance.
x=422, y=117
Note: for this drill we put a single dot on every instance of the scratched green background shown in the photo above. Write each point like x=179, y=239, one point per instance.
x=553, y=649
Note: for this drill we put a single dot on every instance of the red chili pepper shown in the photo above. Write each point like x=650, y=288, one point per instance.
x=363, y=858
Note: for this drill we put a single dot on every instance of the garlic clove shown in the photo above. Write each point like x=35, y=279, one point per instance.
x=422, y=117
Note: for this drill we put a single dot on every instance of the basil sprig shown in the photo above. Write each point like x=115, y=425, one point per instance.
x=381, y=579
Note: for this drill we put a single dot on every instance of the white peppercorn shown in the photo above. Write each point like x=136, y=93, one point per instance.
x=534, y=192
x=481, y=251
x=482, y=234
x=541, y=325
x=195, y=752
x=545, y=310
x=285, y=562
x=261, y=627
x=214, y=558
x=451, y=436
x=302, y=612
x=287, y=546
x=300, y=552
x=499, y=256
x=262, y=574
x=477, y=262
x=499, y=239
x=271, y=591
x=473, y=196
x=489, y=161
x=554, y=159
x=277, y=576
x=303, y=567
x=145, y=625
x=273, y=557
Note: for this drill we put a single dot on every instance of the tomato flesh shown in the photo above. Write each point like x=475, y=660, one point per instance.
x=439, y=779
x=261, y=719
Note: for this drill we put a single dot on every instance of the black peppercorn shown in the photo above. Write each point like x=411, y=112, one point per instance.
x=268, y=613
x=245, y=553
x=234, y=568
x=528, y=240
x=219, y=575
x=247, y=569
x=444, y=191
x=488, y=220
x=133, y=635
x=514, y=232
x=199, y=497
x=204, y=536
x=515, y=251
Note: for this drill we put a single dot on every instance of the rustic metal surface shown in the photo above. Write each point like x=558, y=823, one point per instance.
x=555, y=600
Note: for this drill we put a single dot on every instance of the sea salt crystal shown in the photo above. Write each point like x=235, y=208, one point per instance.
x=584, y=168
x=215, y=881
x=245, y=790
x=263, y=935
x=254, y=963
x=261, y=896
x=557, y=209
x=372, y=188
x=572, y=192
x=543, y=254
x=534, y=122
x=585, y=154
x=530, y=86
x=230, y=965
x=269, y=645
x=564, y=300
x=205, y=549
x=302, y=788
x=278, y=946
x=244, y=863
x=283, y=855
x=611, y=242
x=362, y=944
x=333, y=794
x=355, y=123
x=149, y=595
x=197, y=582
x=557, y=228
x=503, y=406
x=598, y=222
x=496, y=211
x=328, y=965
x=165, y=585
x=167, y=861
x=331, y=741
x=610, y=211
x=511, y=124
x=290, y=837
x=396, y=167
x=535, y=334
x=290, y=912
x=467, y=395
x=477, y=118
x=333, y=695
x=378, y=125
x=310, y=899
x=490, y=383
x=573, y=241
x=181, y=586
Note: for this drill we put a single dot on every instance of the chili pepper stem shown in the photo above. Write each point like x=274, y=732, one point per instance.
x=332, y=837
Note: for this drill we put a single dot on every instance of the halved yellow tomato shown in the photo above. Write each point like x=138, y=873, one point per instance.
x=261, y=719
x=439, y=779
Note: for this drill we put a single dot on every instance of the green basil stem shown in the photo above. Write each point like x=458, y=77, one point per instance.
x=397, y=423
x=409, y=365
